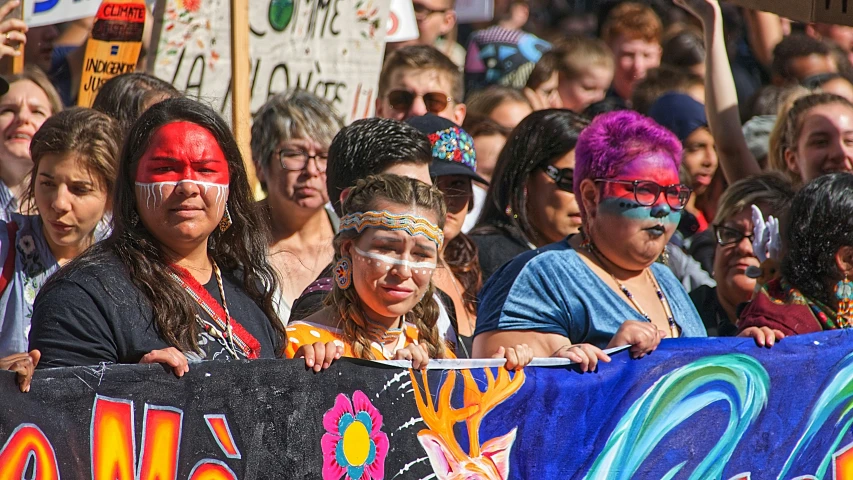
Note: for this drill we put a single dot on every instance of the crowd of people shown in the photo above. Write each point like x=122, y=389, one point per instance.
x=619, y=174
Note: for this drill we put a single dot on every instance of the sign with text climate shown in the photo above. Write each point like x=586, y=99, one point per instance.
x=698, y=409
x=333, y=48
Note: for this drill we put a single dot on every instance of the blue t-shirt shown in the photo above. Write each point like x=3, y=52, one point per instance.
x=551, y=290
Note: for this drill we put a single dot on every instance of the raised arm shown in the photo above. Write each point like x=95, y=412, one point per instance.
x=721, y=105
x=765, y=32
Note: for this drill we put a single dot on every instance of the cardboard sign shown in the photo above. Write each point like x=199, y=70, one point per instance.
x=48, y=12
x=333, y=48
x=402, y=24
x=839, y=12
x=472, y=11
x=113, y=46
x=695, y=408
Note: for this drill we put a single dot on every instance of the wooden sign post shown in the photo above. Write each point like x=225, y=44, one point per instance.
x=241, y=118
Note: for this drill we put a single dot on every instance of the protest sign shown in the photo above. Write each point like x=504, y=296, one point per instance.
x=838, y=12
x=113, y=46
x=46, y=12
x=695, y=408
x=402, y=24
x=333, y=48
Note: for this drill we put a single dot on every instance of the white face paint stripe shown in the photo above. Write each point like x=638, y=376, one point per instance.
x=154, y=191
x=394, y=261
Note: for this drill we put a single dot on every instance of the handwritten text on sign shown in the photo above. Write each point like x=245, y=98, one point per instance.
x=333, y=48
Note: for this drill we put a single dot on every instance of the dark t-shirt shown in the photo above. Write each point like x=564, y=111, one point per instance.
x=496, y=249
x=715, y=318
x=95, y=314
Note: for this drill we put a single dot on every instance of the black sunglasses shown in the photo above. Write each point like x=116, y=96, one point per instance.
x=563, y=177
x=402, y=100
x=730, y=236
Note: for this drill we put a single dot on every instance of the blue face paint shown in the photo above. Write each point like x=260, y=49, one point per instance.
x=630, y=209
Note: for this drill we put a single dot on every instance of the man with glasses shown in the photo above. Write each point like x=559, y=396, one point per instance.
x=417, y=80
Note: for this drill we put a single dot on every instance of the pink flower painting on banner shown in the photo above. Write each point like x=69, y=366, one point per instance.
x=354, y=446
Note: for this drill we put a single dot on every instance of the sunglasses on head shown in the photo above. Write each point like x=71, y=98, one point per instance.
x=563, y=177
x=402, y=100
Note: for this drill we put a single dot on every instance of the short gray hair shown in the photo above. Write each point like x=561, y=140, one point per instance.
x=292, y=114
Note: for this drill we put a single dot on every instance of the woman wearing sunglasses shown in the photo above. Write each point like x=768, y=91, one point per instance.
x=603, y=287
x=733, y=254
x=290, y=143
x=530, y=202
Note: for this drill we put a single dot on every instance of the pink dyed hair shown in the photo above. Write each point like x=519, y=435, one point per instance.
x=616, y=139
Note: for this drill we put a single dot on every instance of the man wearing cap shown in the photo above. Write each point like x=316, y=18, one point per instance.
x=453, y=168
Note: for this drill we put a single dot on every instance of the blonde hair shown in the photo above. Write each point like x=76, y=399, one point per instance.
x=347, y=304
x=574, y=55
x=35, y=75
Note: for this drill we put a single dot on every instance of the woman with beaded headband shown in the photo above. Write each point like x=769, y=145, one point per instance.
x=182, y=276
x=381, y=305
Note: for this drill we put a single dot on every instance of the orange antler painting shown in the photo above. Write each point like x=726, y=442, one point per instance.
x=487, y=461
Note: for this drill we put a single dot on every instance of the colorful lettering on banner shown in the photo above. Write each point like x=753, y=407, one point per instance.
x=697, y=408
x=28, y=445
x=113, y=47
x=333, y=48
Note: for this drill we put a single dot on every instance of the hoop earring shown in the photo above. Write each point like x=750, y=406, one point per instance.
x=225, y=223
x=343, y=273
x=844, y=294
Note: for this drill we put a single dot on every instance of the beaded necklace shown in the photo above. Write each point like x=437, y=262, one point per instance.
x=385, y=336
x=673, y=326
x=222, y=330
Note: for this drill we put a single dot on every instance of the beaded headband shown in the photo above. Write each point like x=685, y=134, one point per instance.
x=410, y=224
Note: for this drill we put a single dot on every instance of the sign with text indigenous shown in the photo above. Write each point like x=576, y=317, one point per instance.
x=333, y=48
x=113, y=47
x=698, y=409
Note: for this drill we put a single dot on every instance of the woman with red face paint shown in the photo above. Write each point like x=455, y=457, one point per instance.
x=381, y=305
x=29, y=100
x=184, y=275
x=602, y=287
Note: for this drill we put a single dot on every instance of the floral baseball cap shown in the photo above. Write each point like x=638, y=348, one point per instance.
x=452, y=148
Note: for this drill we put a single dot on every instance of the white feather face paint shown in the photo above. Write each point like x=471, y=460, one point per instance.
x=154, y=192
x=388, y=262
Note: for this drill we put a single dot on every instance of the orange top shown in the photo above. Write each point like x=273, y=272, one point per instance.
x=304, y=333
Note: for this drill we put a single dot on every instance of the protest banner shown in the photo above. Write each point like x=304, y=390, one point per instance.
x=839, y=12
x=113, y=46
x=695, y=408
x=333, y=48
x=47, y=12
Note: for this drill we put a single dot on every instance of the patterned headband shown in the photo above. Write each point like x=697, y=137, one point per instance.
x=390, y=221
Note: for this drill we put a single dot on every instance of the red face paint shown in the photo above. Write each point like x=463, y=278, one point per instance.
x=182, y=152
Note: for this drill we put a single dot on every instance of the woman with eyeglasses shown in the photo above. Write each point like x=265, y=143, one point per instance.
x=530, y=202
x=733, y=254
x=291, y=135
x=603, y=287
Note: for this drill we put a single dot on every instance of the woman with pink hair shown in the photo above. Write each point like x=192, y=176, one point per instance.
x=603, y=287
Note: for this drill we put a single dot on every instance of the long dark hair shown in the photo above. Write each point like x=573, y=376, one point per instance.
x=462, y=258
x=540, y=139
x=820, y=222
x=242, y=247
x=125, y=96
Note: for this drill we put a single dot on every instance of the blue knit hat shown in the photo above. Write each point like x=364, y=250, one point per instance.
x=679, y=113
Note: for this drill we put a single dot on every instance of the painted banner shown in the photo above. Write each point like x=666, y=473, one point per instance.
x=695, y=408
x=48, y=12
x=333, y=48
x=113, y=46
